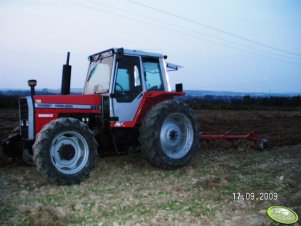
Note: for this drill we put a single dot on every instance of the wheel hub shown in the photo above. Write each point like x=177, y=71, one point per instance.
x=66, y=152
x=173, y=135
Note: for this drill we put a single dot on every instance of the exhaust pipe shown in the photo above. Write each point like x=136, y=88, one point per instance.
x=32, y=83
x=66, y=77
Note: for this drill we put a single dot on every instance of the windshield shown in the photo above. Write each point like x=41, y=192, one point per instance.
x=99, y=75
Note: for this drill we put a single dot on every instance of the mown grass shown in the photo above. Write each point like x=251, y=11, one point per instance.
x=128, y=191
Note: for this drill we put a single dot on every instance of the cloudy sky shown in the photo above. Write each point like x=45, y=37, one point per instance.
x=233, y=45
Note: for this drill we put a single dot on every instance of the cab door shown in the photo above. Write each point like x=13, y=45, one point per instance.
x=127, y=88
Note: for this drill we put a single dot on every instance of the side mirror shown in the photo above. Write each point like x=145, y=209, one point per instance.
x=179, y=87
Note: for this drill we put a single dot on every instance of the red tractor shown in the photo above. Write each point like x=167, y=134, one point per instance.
x=126, y=101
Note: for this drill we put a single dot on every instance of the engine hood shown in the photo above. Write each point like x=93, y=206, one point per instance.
x=68, y=101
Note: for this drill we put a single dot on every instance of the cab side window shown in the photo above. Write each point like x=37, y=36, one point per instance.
x=128, y=79
x=152, y=74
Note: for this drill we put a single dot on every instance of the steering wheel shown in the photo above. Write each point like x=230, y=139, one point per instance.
x=153, y=88
x=121, y=88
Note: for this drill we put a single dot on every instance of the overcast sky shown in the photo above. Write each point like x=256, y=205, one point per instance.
x=233, y=45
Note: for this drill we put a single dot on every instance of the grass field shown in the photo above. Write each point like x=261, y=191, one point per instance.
x=126, y=190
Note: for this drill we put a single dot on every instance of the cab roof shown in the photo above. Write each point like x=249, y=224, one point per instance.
x=122, y=51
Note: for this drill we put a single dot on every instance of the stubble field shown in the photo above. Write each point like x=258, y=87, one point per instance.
x=127, y=190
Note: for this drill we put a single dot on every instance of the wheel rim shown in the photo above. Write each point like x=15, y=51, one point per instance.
x=176, y=135
x=69, y=152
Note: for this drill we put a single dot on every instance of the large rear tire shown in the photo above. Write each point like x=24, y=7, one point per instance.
x=169, y=134
x=65, y=151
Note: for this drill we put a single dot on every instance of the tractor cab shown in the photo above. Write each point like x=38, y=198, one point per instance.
x=125, y=76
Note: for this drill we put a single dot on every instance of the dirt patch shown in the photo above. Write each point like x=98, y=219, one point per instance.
x=40, y=215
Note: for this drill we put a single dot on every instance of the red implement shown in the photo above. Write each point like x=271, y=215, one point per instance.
x=218, y=134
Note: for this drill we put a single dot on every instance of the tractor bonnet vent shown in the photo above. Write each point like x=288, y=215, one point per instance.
x=23, y=112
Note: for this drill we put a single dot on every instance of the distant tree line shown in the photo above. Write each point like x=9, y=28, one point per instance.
x=245, y=102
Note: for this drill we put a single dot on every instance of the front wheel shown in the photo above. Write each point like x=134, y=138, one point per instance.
x=169, y=134
x=27, y=156
x=65, y=151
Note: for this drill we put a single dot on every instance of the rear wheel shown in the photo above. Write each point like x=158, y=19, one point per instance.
x=65, y=151
x=169, y=134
